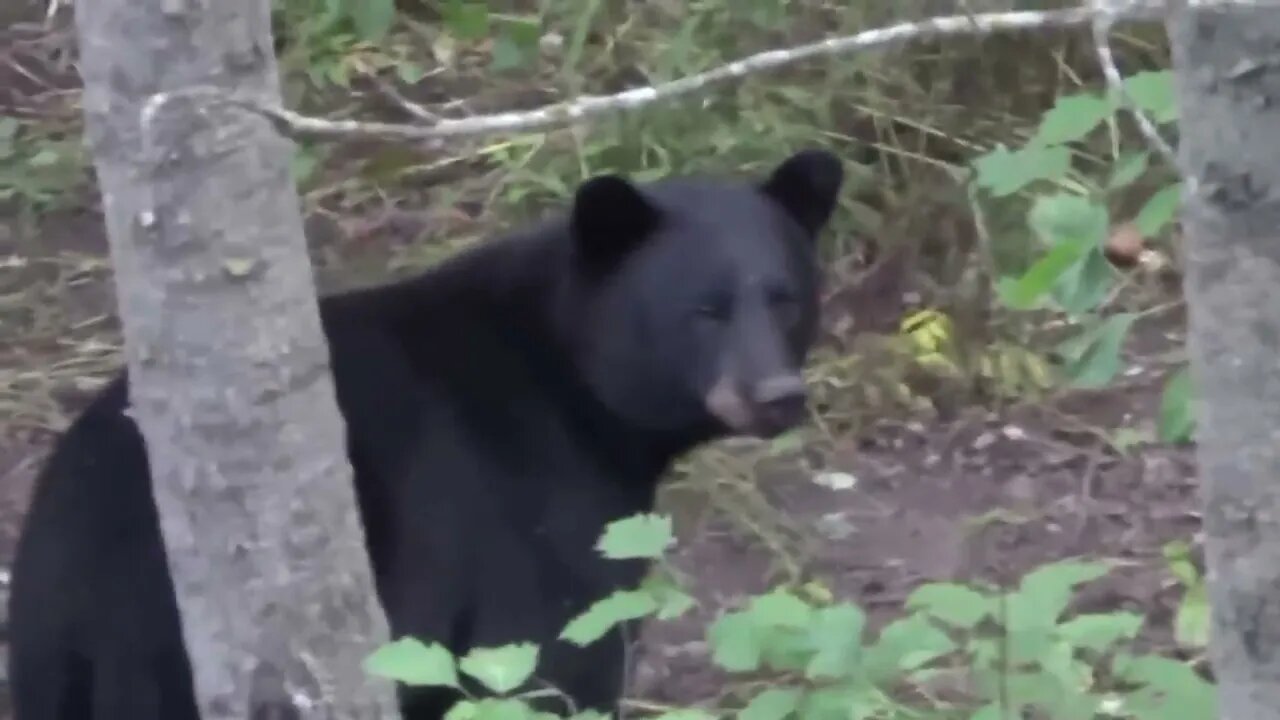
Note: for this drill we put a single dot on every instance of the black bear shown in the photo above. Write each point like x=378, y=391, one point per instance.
x=501, y=409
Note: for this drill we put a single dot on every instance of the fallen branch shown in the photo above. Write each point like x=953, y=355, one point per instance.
x=586, y=108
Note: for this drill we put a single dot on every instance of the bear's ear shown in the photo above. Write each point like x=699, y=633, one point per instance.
x=610, y=217
x=806, y=185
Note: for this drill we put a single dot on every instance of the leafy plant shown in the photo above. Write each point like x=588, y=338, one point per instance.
x=1020, y=649
x=1070, y=223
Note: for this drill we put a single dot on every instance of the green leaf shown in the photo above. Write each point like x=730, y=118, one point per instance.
x=639, y=536
x=1128, y=167
x=836, y=634
x=1071, y=118
x=501, y=709
x=1159, y=210
x=1023, y=293
x=953, y=604
x=501, y=669
x=604, y=614
x=372, y=18
x=1154, y=92
x=1085, y=284
x=847, y=702
x=1063, y=217
x=735, y=642
x=516, y=45
x=1045, y=592
x=1003, y=172
x=780, y=608
x=1177, y=414
x=674, y=603
x=905, y=644
x=466, y=20
x=1098, y=632
x=414, y=663
x=1170, y=690
x=772, y=704
x=1100, y=362
x=44, y=158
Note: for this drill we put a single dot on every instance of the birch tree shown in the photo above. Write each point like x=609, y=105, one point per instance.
x=1228, y=68
x=230, y=378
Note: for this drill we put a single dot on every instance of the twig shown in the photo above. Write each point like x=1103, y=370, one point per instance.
x=586, y=108
x=404, y=103
x=1107, y=14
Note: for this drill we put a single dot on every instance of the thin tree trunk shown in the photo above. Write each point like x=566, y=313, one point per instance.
x=1228, y=66
x=230, y=378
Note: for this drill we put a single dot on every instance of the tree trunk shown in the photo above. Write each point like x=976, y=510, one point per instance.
x=1229, y=87
x=230, y=381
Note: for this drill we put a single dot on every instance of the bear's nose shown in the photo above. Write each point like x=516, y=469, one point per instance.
x=780, y=400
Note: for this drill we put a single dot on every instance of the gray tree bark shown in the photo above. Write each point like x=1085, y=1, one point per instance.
x=1227, y=62
x=231, y=384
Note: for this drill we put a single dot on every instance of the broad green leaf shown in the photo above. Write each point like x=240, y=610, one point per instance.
x=501, y=669
x=1024, y=292
x=502, y=709
x=1129, y=167
x=466, y=20
x=735, y=642
x=953, y=604
x=1062, y=217
x=772, y=704
x=780, y=608
x=1169, y=690
x=836, y=634
x=1047, y=589
x=905, y=644
x=1099, y=631
x=673, y=604
x=1003, y=172
x=516, y=44
x=1159, y=210
x=414, y=663
x=1177, y=414
x=604, y=614
x=1101, y=361
x=639, y=536
x=845, y=702
x=1071, y=118
x=1154, y=92
x=372, y=18
x=1085, y=284
x=1026, y=643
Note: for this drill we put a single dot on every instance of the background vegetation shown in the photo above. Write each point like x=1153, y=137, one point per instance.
x=1006, y=236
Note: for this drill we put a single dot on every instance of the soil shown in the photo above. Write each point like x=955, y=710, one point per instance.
x=1049, y=474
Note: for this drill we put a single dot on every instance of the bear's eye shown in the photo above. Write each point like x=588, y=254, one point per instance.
x=782, y=297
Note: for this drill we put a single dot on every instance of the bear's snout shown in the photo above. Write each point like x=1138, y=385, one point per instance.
x=766, y=408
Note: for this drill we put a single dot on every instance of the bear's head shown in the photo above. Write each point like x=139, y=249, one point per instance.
x=696, y=300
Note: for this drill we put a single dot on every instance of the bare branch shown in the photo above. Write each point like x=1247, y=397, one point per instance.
x=1107, y=13
x=587, y=108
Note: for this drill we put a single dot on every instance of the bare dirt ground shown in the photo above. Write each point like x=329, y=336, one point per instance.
x=1047, y=479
